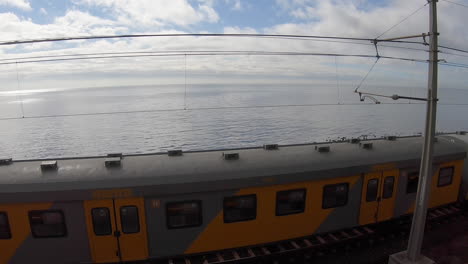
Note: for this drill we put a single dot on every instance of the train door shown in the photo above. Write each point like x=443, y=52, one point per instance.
x=378, y=198
x=369, y=199
x=116, y=229
x=388, y=185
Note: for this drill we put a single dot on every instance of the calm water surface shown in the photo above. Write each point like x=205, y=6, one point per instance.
x=195, y=129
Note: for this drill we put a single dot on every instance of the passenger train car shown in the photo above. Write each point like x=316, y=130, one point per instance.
x=137, y=207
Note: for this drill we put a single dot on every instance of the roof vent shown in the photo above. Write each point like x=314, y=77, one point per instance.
x=391, y=138
x=49, y=165
x=461, y=132
x=113, y=162
x=7, y=161
x=231, y=156
x=367, y=145
x=354, y=140
x=174, y=152
x=113, y=155
x=270, y=147
x=322, y=149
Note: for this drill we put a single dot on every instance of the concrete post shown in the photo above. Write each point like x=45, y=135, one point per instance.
x=413, y=254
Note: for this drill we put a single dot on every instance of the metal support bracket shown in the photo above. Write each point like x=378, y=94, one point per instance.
x=375, y=41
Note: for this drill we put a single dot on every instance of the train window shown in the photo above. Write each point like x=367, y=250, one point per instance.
x=412, y=182
x=5, y=232
x=240, y=208
x=290, y=202
x=101, y=221
x=388, y=187
x=129, y=219
x=445, y=176
x=372, y=190
x=49, y=223
x=335, y=195
x=184, y=214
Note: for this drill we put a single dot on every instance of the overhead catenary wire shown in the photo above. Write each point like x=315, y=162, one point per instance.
x=367, y=74
x=182, y=51
x=185, y=81
x=452, y=64
x=279, y=36
x=212, y=53
x=257, y=53
x=453, y=54
x=363, y=95
x=337, y=81
x=212, y=108
x=403, y=20
x=19, y=88
x=455, y=49
x=220, y=108
x=455, y=3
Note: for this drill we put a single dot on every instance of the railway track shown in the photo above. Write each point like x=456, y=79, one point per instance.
x=347, y=243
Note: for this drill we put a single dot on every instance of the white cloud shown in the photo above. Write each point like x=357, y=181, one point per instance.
x=289, y=4
x=238, y=30
x=326, y=17
x=82, y=21
x=43, y=11
x=74, y=22
x=236, y=5
x=348, y=18
x=21, y=4
x=158, y=12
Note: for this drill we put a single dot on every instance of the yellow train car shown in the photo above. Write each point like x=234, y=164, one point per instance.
x=146, y=207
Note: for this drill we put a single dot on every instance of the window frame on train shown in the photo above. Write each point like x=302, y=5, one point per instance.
x=97, y=227
x=288, y=211
x=124, y=223
x=373, y=193
x=231, y=199
x=5, y=228
x=443, y=169
x=389, y=194
x=413, y=188
x=199, y=212
x=325, y=193
x=34, y=214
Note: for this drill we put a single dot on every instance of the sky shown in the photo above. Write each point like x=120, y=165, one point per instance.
x=28, y=19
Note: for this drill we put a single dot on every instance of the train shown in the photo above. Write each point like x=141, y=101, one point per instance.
x=126, y=208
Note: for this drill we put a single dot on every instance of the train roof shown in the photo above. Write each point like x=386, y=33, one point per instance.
x=161, y=174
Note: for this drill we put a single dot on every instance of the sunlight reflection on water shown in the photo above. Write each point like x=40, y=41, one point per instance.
x=199, y=129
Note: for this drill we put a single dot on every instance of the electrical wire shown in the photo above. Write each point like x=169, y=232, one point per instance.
x=183, y=51
x=278, y=36
x=337, y=81
x=403, y=20
x=406, y=48
x=19, y=88
x=86, y=56
x=456, y=65
x=453, y=54
x=108, y=53
x=256, y=53
x=455, y=49
x=213, y=108
x=367, y=74
x=455, y=3
x=185, y=81
x=363, y=95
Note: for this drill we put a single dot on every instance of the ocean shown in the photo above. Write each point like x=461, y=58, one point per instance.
x=79, y=122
